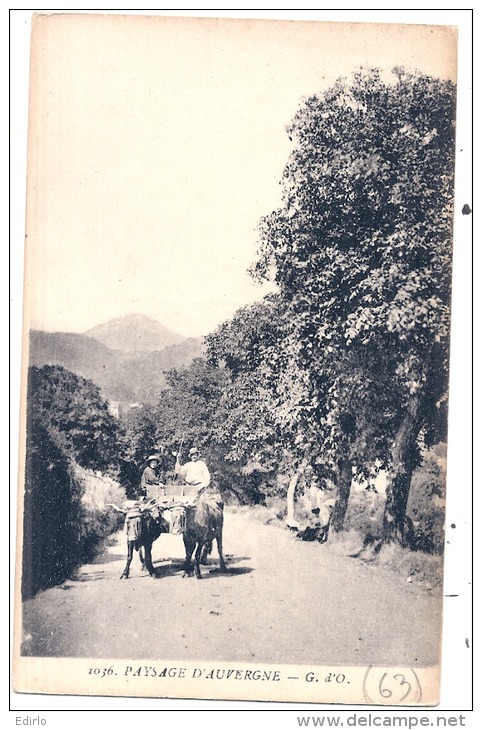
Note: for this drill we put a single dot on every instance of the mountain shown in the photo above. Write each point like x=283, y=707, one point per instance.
x=134, y=333
x=123, y=376
x=144, y=371
x=80, y=354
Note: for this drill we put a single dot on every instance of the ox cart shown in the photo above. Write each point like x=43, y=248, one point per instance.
x=173, y=500
x=172, y=508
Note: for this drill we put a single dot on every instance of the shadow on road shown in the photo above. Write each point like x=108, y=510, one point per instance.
x=168, y=566
x=230, y=573
x=107, y=558
x=164, y=566
x=174, y=566
x=207, y=574
x=85, y=577
x=235, y=558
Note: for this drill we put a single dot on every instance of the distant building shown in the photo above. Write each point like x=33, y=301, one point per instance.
x=120, y=408
x=113, y=407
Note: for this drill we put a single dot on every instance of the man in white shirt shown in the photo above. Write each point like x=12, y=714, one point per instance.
x=195, y=471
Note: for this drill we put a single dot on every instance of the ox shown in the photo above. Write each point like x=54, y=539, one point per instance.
x=204, y=523
x=144, y=524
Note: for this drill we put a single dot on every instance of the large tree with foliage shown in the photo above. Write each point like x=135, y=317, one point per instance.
x=247, y=347
x=361, y=253
x=73, y=409
x=247, y=428
x=187, y=411
x=270, y=416
x=287, y=416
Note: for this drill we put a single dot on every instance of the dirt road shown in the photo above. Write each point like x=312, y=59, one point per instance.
x=281, y=601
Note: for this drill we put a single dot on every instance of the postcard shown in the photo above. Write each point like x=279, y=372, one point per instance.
x=237, y=317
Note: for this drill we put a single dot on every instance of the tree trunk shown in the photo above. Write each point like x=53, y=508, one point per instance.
x=344, y=478
x=290, y=496
x=400, y=474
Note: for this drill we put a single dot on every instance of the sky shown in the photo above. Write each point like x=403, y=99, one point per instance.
x=157, y=144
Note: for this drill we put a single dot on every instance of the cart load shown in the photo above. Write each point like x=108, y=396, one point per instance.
x=173, y=499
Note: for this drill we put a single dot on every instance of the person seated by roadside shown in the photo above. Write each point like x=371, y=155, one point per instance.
x=322, y=519
x=319, y=524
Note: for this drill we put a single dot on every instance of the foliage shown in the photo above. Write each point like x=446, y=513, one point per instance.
x=426, y=503
x=67, y=424
x=73, y=408
x=361, y=252
x=51, y=512
x=247, y=348
x=256, y=424
x=187, y=412
x=137, y=441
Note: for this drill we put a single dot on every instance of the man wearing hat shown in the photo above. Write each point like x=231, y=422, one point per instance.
x=195, y=471
x=149, y=476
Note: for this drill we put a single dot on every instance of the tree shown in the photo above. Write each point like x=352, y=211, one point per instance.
x=137, y=440
x=72, y=408
x=68, y=425
x=266, y=416
x=361, y=253
x=187, y=411
x=52, y=509
x=247, y=348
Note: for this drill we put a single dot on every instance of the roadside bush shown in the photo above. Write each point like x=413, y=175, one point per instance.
x=426, y=503
x=420, y=560
x=64, y=512
x=414, y=566
x=68, y=423
x=365, y=512
x=97, y=521
x=52, y=511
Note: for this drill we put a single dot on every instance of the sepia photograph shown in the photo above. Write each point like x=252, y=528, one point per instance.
x=237, y=339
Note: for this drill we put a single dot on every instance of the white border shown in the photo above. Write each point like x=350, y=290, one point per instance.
x=456, y=669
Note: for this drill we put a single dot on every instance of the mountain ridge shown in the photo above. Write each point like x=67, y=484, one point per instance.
x=134, y=333
x=122, y=375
